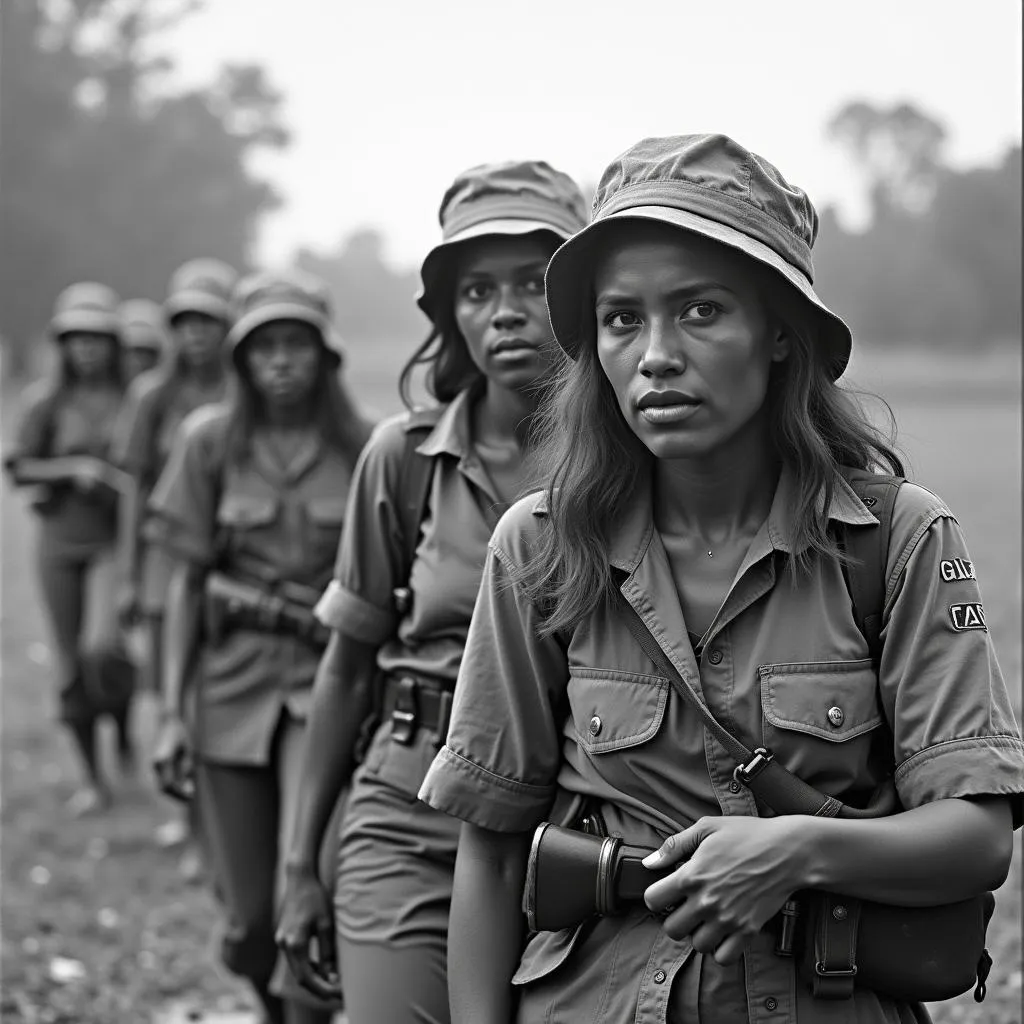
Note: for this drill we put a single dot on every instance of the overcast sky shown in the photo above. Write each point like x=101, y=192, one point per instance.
x=389, y=99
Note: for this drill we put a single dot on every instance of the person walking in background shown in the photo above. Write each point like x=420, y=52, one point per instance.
x=250, y=506
x=62, y=450
x=144, y=339
x=427, y=493
x=196, y=314
x=706, y=478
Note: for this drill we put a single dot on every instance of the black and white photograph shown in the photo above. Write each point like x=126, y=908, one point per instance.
x=511, y=513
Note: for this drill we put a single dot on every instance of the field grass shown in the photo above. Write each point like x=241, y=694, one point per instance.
x=99, y=892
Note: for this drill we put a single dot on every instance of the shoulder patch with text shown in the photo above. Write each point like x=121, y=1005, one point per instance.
x=951, y=569
x=967, y=616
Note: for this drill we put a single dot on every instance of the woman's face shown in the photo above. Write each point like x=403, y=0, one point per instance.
x=199, y=337
x=89, y=354
x=138, y=360
x=684, y=338
x=283, y=358
x=500, y=309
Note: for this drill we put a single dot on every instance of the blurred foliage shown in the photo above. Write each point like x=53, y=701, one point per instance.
x=105, y=175
x=940, y=262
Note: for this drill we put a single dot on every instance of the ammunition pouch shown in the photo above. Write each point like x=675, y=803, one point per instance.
x=281, y=607
x=415, y=702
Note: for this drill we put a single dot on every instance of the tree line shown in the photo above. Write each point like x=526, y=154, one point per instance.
x=107, y=174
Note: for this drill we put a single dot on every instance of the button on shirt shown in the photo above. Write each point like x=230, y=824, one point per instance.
x=257, y=520
x=938, y=713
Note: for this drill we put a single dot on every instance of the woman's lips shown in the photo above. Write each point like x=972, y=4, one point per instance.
x=661, y=414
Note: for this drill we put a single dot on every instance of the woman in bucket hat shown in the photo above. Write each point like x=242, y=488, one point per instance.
x=250, y=507
x=702, y=463
x=403, y=592
x=196, y=315
x=62, y=448
x=144, y=337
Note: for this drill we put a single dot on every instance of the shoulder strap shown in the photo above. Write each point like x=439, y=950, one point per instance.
x=867, y=551
x=758, y=770
x=417, y=473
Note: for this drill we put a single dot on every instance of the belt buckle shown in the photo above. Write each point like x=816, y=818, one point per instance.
x=404, y=716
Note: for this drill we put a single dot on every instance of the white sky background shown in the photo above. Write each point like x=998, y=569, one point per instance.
x=389, y=99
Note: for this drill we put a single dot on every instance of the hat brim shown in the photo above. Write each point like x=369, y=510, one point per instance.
x=248, y=323
x=436, y=264
x=95, y=321
x=567, y=279
x=196, y=302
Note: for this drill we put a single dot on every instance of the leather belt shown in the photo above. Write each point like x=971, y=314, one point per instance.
x=417, y=702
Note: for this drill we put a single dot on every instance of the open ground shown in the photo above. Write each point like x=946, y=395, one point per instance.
x=99, y=928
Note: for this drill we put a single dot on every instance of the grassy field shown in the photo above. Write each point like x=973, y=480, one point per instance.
x=98, y=892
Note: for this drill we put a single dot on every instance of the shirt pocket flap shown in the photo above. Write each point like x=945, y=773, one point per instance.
x=545, y=952
x=612, y=710
x=833, y=700
x=246, y=510
x=326, y=511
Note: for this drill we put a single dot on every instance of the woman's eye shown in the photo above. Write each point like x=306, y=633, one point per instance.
x=701, y=311
x=535, y=285
x=622, y=319
x=477, y=290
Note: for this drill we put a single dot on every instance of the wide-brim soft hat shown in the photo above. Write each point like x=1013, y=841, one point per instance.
x=86, y=306
x=283, y=295
x=714, y=187
x=142, y=325
x=511, y=198
x=201, y=286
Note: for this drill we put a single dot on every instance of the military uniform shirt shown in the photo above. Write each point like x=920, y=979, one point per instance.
x=784, y=667
x=256, y=520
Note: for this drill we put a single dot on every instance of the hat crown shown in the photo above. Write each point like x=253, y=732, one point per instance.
x=513, y=189
x=141, y=312
x=87, y=297
x=211, y=277
x=714, y=176
x=272, y=288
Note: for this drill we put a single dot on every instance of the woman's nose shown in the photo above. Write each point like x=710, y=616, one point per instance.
x=663, y=355
x=508, y=313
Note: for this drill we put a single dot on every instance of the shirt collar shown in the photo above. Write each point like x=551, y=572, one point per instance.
x=453, y=432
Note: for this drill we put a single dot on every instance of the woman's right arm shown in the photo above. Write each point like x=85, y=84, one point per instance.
x=342, y=701
x=485, y=932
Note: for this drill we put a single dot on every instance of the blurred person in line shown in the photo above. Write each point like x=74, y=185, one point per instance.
x=250, y=506
x=702, y=465
x=403, y=590
x=196, y=315
x=62, y=450
x=144, y=341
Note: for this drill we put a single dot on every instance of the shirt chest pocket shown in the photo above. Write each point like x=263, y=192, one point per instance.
x=325, y=516
x=245, y=520
x=822, y=720
x=614, y=711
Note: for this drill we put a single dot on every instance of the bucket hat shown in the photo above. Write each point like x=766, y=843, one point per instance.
x=142, y=325
x=201, y=286
x=282, y=295
x=510, y=198
x=712, y=186
x=86, y=306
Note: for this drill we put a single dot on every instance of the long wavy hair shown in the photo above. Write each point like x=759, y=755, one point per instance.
x=335, y=414
x=594, y=463
x=445, y=357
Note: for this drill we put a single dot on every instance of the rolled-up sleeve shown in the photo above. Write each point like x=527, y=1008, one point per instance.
x=953, y=726
x=359, y=600
x=183, y=506
x=499, y=766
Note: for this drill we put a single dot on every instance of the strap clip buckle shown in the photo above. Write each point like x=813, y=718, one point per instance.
x=823, y=971
x=404, y=716
x=746, y=773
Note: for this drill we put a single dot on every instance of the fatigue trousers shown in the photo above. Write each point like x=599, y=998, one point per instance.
x=248, y=812
x=79, y=594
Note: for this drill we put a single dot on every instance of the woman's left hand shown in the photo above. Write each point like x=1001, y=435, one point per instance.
x=735, y=873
